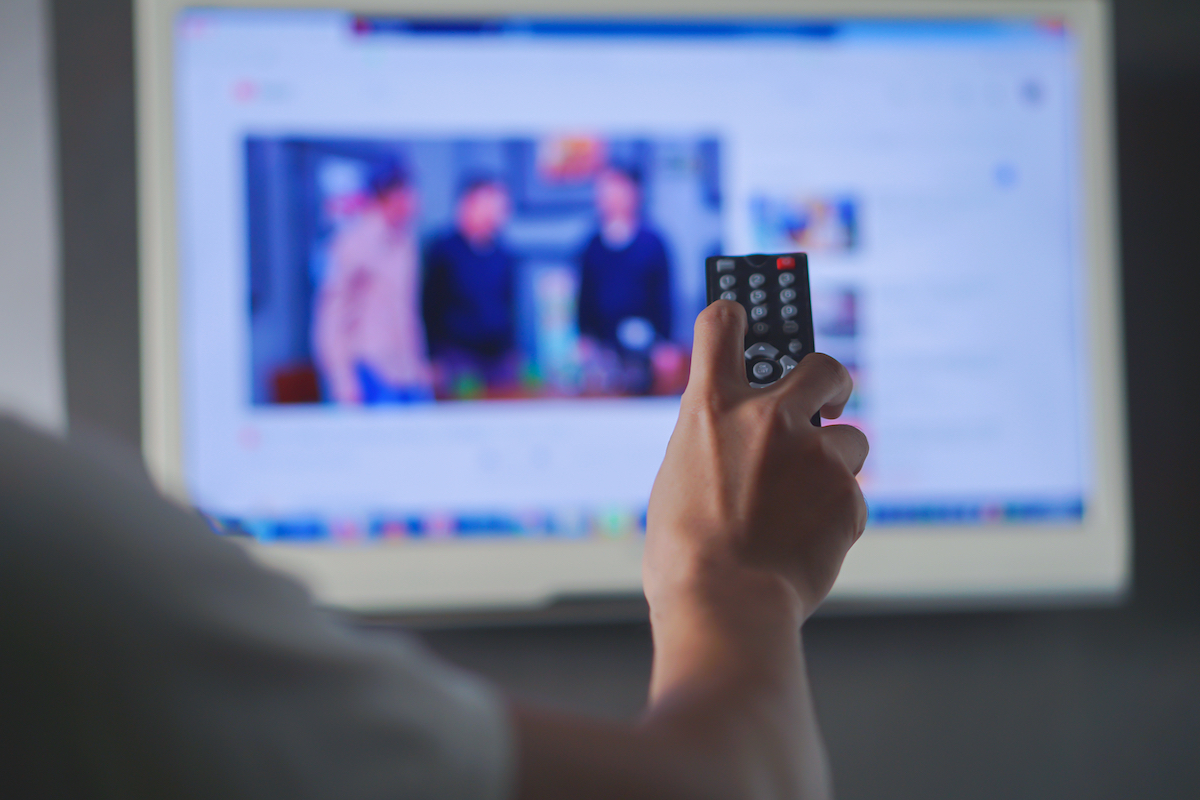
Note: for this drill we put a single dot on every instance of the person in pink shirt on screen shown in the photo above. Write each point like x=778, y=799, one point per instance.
x=368, y=336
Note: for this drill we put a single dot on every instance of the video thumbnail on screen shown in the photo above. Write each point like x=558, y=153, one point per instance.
x=418, y=270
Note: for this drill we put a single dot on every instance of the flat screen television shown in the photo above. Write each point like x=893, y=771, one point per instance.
x=419, y=279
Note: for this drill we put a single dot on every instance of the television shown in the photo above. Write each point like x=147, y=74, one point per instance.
x=418, y=281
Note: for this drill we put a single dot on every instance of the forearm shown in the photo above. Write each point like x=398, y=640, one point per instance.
x=718, y=742
x=561, y=756
x=729, y=678
x=730, y=713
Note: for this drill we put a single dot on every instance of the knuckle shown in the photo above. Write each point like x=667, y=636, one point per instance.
x=829, y=367
x=846, y=493
x=855, y=437
x=832, y=450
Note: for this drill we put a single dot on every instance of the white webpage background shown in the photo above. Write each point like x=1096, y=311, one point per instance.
x=970, y=288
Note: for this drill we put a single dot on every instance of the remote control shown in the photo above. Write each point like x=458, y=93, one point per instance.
x=774, y=291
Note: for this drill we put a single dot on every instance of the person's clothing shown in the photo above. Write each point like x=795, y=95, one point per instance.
x=464, y=375
x=619, y=284
x=144, y=656
x=368, y=312
x=376, y=391
x=468, y=297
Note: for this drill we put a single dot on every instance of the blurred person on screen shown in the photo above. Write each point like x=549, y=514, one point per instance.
x=625, y=288
x=468, y=294
x=367, y=333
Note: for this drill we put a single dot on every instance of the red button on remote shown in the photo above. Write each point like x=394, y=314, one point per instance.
x=785, y=262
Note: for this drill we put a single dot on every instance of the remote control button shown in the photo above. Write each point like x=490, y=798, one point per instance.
x=758, y=312
x=758, y=296
x=795, y=347
x=791, y=326
x=757, y=280
x=785, y=262
x=787, y=312
x=762, y=370
x=729, y=295
x=761, y=350
x=787, y=363
x=727, y=281
x=725, y=264
x=785, y=295
x=787, y=279
x=760, y=328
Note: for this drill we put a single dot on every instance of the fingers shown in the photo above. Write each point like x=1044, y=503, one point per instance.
x=718, y=354
x=849, y=443
x=819, y=383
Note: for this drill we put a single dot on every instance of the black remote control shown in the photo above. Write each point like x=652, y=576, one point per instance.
x=775, y=293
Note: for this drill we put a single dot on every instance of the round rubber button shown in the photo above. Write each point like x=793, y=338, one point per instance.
x=791, y=326
x=795, y=346
x=787, y=312
x=758, y=312
x=758, y=296
x=787, y=295
x=729, y=295
x=727, y=281
x=787, y=278
x=757, y=280
x=760, y=328
x=762, y=370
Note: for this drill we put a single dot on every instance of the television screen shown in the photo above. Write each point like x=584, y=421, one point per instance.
x=437, y=277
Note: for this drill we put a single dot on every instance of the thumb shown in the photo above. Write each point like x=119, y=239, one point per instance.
x=718, y=350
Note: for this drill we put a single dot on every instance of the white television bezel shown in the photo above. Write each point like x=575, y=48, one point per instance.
x=935, y=566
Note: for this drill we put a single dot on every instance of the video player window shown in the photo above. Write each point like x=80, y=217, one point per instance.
x=413, y=270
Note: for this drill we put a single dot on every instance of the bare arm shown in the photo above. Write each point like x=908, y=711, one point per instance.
x=751, y=516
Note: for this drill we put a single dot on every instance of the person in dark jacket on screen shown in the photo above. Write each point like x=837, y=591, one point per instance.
x=468, y=294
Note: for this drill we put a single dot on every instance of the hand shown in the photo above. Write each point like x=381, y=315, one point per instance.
x=749, y=485
x=751, y=515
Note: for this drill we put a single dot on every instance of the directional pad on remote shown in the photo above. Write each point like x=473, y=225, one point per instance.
x=761, y=350
x=773, y=289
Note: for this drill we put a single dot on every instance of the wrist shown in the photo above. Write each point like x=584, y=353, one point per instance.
x=710, y=580
x=714, y=620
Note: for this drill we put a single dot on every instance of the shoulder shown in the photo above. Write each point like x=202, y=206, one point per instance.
x=77, y=525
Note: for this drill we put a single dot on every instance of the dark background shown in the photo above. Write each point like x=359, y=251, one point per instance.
x=1101, y=703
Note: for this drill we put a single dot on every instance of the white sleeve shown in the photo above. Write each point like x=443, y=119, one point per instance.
x=180, y=668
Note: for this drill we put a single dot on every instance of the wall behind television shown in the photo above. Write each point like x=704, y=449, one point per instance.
x=30, y=365
x=1084, y=704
